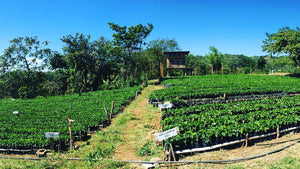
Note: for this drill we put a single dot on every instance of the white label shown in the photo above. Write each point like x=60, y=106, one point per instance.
x=51, y=134
x=15, y=112
x=167, y=134
x=165, y=106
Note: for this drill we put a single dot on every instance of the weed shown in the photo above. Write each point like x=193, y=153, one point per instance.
x=146, y=150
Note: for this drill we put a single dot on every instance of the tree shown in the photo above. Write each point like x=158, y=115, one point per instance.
x=106, y=61
x=285, y=41
x=79, y=59
x=214, y=58
x=130, y=40
x=155, y=51
x=26, y=54
x=261, y=63
x=198, y=63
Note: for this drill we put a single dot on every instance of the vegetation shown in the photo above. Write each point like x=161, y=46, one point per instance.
x=215, y=123
x=285, y=41
x=211, y=86
x=40, y=115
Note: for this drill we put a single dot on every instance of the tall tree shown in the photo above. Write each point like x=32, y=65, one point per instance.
x=214, y=58
x=78, y=53
x=285, y=41
x=131, y=40
x=26, y=54
x=106, y=61
x=261, y=63
x=156, y=49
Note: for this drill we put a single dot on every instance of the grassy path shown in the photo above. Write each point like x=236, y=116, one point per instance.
x=139, y=131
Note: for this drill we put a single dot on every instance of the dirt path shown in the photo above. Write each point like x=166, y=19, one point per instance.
x=142, y=126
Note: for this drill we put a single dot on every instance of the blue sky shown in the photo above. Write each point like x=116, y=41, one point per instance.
x=232, y=26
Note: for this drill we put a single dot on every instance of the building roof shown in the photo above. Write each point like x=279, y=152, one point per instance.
x=186, y=52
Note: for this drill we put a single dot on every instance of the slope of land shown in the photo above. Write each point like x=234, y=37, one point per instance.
x=131, y=137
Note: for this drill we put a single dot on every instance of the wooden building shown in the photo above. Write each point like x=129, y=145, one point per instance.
x=176, y=60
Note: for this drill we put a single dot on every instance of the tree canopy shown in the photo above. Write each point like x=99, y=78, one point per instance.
x=214, y=58
x=285, y=41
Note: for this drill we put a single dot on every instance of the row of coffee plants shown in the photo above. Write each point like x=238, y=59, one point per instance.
x=212, y=86
x=211, y=124
x=26, y=129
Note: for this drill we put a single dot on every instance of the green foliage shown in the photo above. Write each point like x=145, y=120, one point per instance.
x=210, y=86
x=155, y=54
x=215, y=58
x=261, y=63
x=146, y=149
x=40, y=115
x=224, y=122
x=131, y=40
x=285, y=41
x=211, y=124
x=26, y=54
x=198, y=63
x=286, y=162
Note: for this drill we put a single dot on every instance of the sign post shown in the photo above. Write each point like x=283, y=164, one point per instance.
x=51, y=135
x=167, y=134
x=164, y=136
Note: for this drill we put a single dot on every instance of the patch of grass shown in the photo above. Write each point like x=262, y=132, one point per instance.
x=123, y=119
x=146, y=149
x=286, y=163
x=237, y=166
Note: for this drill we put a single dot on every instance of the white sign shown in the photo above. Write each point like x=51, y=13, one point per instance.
x=167, y=134
x=15, y=112
x=51, y=134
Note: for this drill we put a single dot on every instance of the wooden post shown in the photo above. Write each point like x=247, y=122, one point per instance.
x=161, y=70
x=112, y=109
x=172, y=151
x=277, y=136
x=105, y=109
x=246, y=141
x=169, y=158
x=70, y=132
x=59, y=146
x=51, y=143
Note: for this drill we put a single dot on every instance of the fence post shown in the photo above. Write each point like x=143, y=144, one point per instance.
x=112, y=109
x=277, y=136
x=105, y=109
x=70, y=131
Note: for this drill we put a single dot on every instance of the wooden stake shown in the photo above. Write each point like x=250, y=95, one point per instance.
x=105, y=108
x=70, y=132
x=277, y=136
x=161, y=69
x=172, y=151
x=59, y=146
x=169, y=158
x=112, y=109
x=51, y=143
x=246, y=141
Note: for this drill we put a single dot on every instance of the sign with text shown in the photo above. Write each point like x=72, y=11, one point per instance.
x=167, y=134
x=51, y=134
